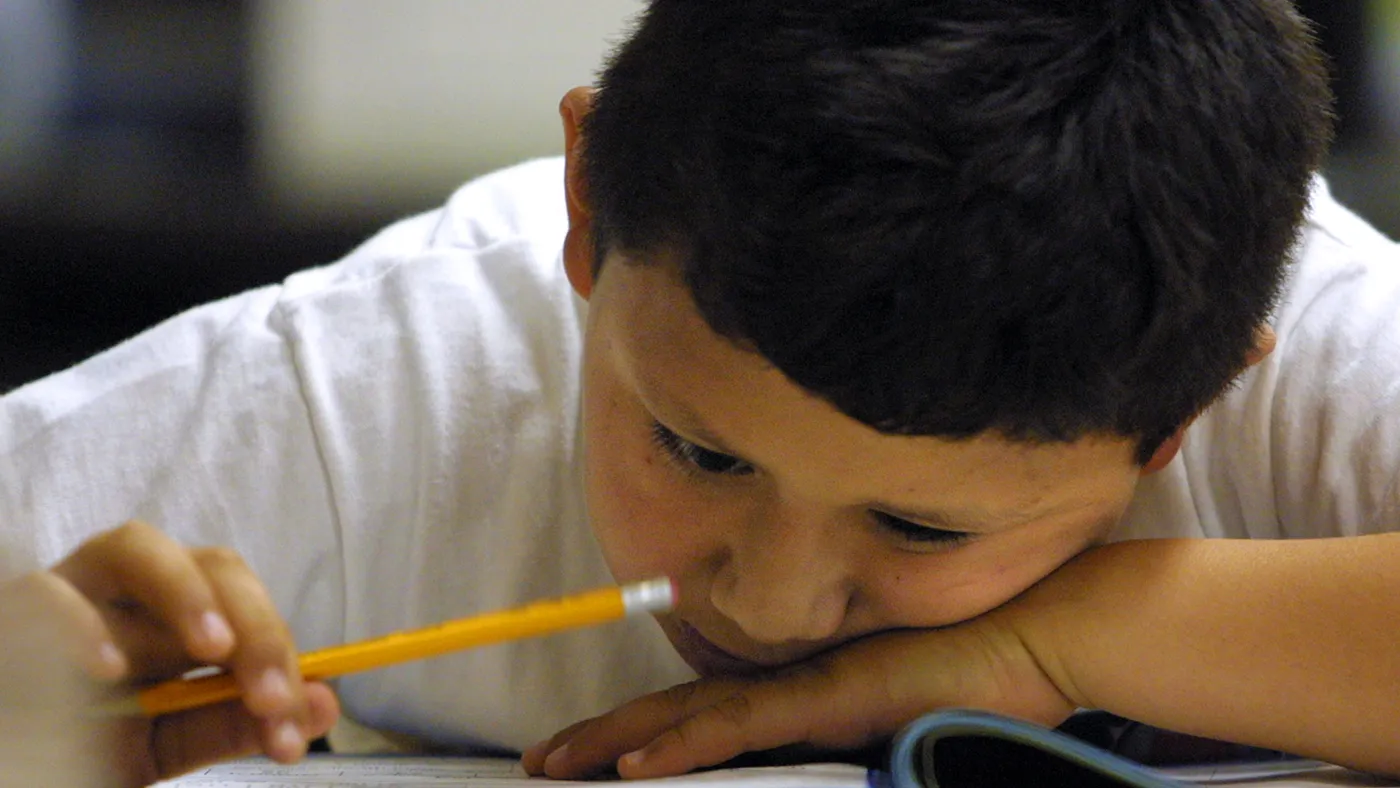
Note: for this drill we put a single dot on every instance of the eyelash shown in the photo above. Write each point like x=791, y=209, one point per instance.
x=697, y=460
x=914, y=532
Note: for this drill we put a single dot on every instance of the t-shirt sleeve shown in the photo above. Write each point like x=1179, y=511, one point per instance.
x=198, y=426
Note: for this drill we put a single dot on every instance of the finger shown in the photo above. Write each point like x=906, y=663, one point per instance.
x=808, y=705
x=532, y=759
x=286, y=741
x=191, y=739
x=152, y=649
x=188, y=740
x=138, y=566
x=594, y=745
x=57, y=621
x=264, y=663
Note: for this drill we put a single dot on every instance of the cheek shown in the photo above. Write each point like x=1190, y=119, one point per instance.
x=642, y=511
x=964, y=584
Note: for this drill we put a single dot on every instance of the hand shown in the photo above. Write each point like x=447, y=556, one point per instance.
x=851, y=697
x=131, y=607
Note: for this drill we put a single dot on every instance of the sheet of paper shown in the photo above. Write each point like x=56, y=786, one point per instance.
x=338, y=771
x=332, y=771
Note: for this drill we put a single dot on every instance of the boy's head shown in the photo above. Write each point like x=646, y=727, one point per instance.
x=1045, y=218
x=1053, y=228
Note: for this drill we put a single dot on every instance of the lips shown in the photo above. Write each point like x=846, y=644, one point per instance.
x=706, y=658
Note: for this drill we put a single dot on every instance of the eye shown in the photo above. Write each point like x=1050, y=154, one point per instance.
x=922, y=534
x=692, y=457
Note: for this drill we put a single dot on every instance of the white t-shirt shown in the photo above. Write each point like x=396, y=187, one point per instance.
x=393, y=440
x=1307, y=443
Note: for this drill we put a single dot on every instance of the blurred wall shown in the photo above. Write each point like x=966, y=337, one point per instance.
x=358, y=104
x=160, y=154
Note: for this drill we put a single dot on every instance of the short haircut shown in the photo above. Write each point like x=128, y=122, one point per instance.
x=1043, y=218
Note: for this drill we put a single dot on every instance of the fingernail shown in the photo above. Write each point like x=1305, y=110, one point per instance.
x=632, y=759
x=556, y=758
x=273, y=686
x=111, y=661
x=287, y=739
x=215, y=631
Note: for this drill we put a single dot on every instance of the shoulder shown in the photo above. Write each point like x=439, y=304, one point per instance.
x=1307, y=443
x=523, y=201
x=1310, y=437
x=477, y=282
x=1340, y=312
x=1330, y=218
x=470, y=297
x=514, y=216
x=1340, y=260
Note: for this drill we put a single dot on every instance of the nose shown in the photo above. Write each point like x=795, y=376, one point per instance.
x=785, y=577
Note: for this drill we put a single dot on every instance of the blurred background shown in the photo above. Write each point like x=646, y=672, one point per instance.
x=155, y=155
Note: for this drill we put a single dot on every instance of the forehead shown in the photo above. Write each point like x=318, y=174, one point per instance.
x=731, y=399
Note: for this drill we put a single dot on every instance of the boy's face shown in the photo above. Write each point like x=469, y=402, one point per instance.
x=789, y=526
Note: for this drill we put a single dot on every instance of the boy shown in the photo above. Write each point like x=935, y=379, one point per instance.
x=897, y=315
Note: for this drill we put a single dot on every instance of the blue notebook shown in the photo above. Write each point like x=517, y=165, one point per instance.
x=975, y=749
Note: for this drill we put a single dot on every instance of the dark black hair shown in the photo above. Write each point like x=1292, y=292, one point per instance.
x=1047, y=218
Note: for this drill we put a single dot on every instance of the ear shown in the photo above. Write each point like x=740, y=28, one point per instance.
x=1264, y=341
x=578, y=243
x=1166, y=451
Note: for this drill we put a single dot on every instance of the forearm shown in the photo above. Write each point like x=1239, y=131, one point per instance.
x=1285, y=644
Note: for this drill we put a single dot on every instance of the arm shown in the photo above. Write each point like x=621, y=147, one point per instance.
x=1279, y=644
x=1284, y=644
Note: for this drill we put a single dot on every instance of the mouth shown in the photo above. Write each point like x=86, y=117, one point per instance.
x=708, y=659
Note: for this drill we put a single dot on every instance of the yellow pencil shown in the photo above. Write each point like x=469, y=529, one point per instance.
x=539, y=618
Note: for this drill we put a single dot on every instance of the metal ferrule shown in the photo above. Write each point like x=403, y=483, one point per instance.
x=649, y=596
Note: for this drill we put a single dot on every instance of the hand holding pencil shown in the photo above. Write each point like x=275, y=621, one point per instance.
x=130, y=607
x=133, y=607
